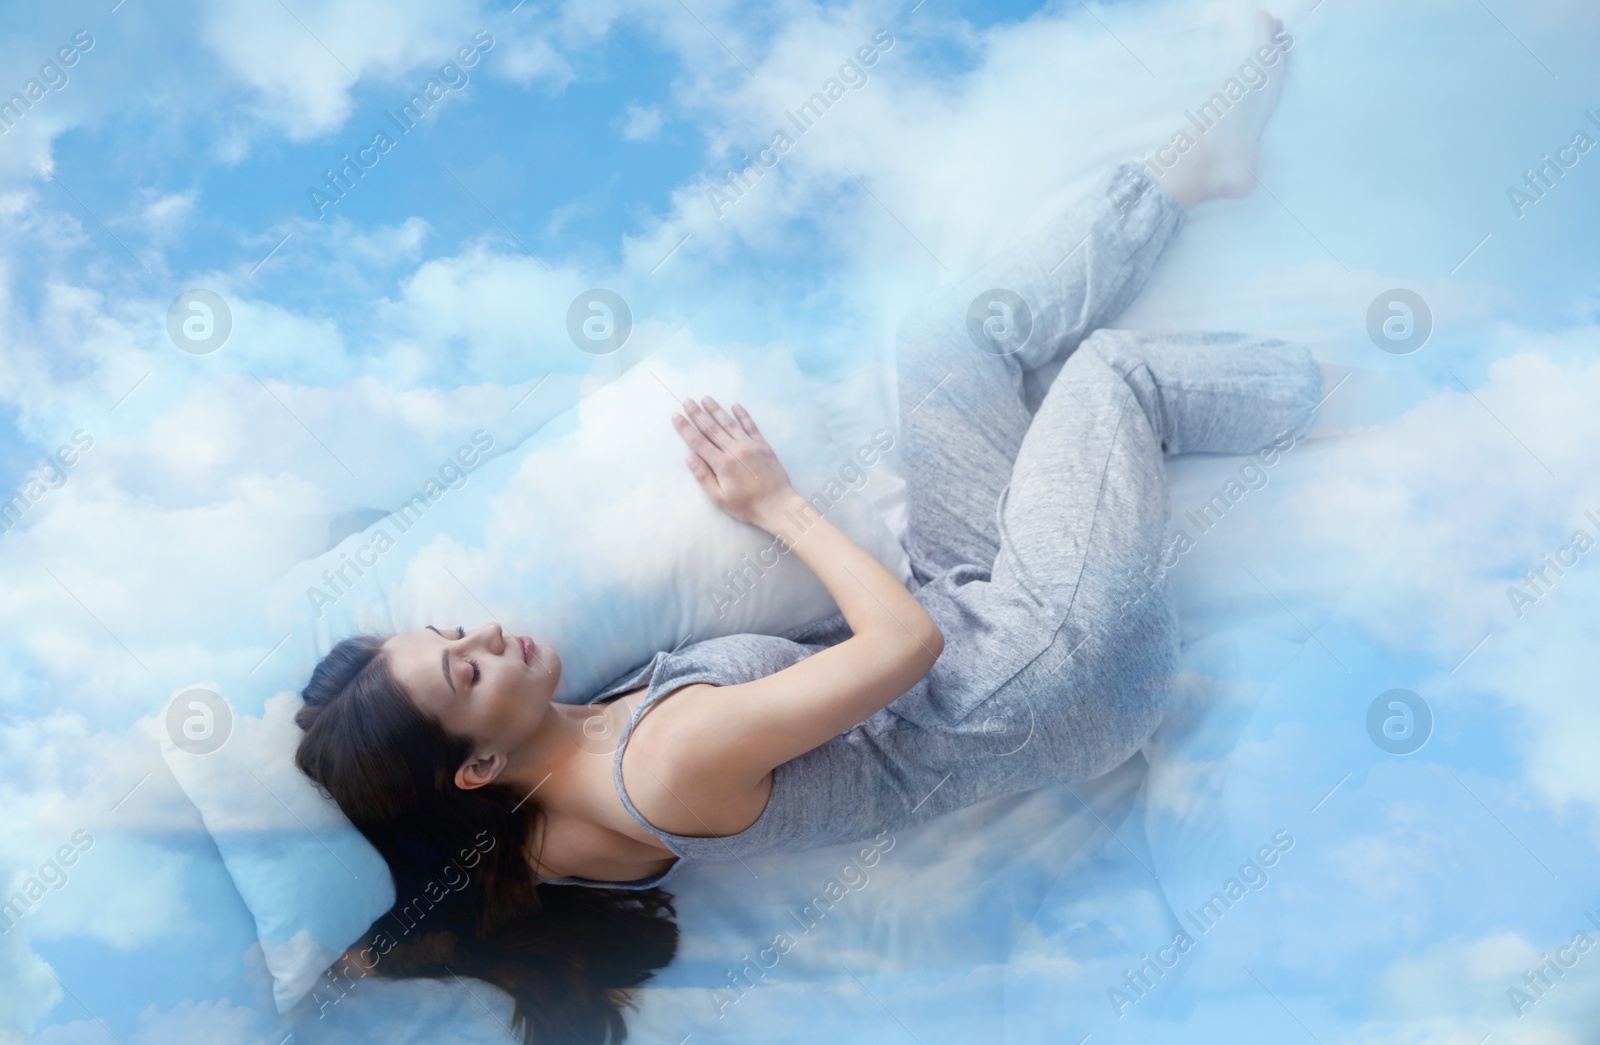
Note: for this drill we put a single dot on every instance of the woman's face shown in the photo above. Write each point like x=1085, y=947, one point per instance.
x=482, y=684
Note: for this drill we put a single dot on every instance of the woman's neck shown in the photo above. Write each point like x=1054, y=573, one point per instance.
x=552, y=750
x=565, y=769
x=566, y=762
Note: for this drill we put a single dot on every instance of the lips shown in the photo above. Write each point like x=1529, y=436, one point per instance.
x=527, y=648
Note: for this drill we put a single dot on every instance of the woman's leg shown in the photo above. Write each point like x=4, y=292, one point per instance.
x=1089, y=512
x=962, y=356
x=1065, y=627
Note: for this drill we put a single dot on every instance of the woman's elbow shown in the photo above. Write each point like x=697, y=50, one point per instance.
x=915, y=646
x=929, y=644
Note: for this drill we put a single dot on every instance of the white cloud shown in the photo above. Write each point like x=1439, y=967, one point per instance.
x=189, y=1020
x=1463, y=984
x=110, y=802
x=389, y=244
x=641, y=123
x=61, y=775
x=109, y=799
x=251, y=784
x=298, y=964
x=164, y=214
x=1403, y=861
x=1452, y=501
x=212, y=486
x=95, y=901
x=301, y=63
x=1182, y=788
x=31, y=988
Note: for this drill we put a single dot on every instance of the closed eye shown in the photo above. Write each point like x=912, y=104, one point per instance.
x=461, y=633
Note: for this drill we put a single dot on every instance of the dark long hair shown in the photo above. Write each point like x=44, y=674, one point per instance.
x=466, y=900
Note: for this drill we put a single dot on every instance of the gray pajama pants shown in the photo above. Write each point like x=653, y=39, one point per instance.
x=1029, y=533
x=1028, y=536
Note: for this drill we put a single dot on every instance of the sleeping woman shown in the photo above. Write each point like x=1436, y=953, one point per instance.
x=1033, y=648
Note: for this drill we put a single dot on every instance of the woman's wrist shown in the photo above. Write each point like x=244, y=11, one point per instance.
x=784, y=515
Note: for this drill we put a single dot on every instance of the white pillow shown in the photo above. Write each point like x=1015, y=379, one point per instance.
x=592, y=536
x=312, y=882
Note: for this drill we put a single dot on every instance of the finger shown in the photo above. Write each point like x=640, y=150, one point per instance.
x=746, y=420
x=732, y=432
x=707, y=424
x=733, y=427
x=697, y=441
x=727, y=433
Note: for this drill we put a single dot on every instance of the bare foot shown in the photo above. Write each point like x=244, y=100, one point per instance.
x=1214, y=154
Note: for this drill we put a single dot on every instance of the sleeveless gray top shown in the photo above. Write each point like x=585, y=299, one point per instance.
x=883, y=773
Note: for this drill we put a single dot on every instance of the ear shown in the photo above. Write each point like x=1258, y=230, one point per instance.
x=476, y=772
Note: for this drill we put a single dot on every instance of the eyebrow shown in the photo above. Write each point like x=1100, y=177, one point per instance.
x=444, y=662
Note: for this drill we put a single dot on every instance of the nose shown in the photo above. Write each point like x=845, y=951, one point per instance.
x=493, y=637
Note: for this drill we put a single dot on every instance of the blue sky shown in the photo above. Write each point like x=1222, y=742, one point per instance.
x=580, y=154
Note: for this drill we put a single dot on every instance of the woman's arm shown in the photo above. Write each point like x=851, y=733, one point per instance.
x=742, y=732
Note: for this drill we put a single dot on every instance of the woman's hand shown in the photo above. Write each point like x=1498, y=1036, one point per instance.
x=731, y=460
